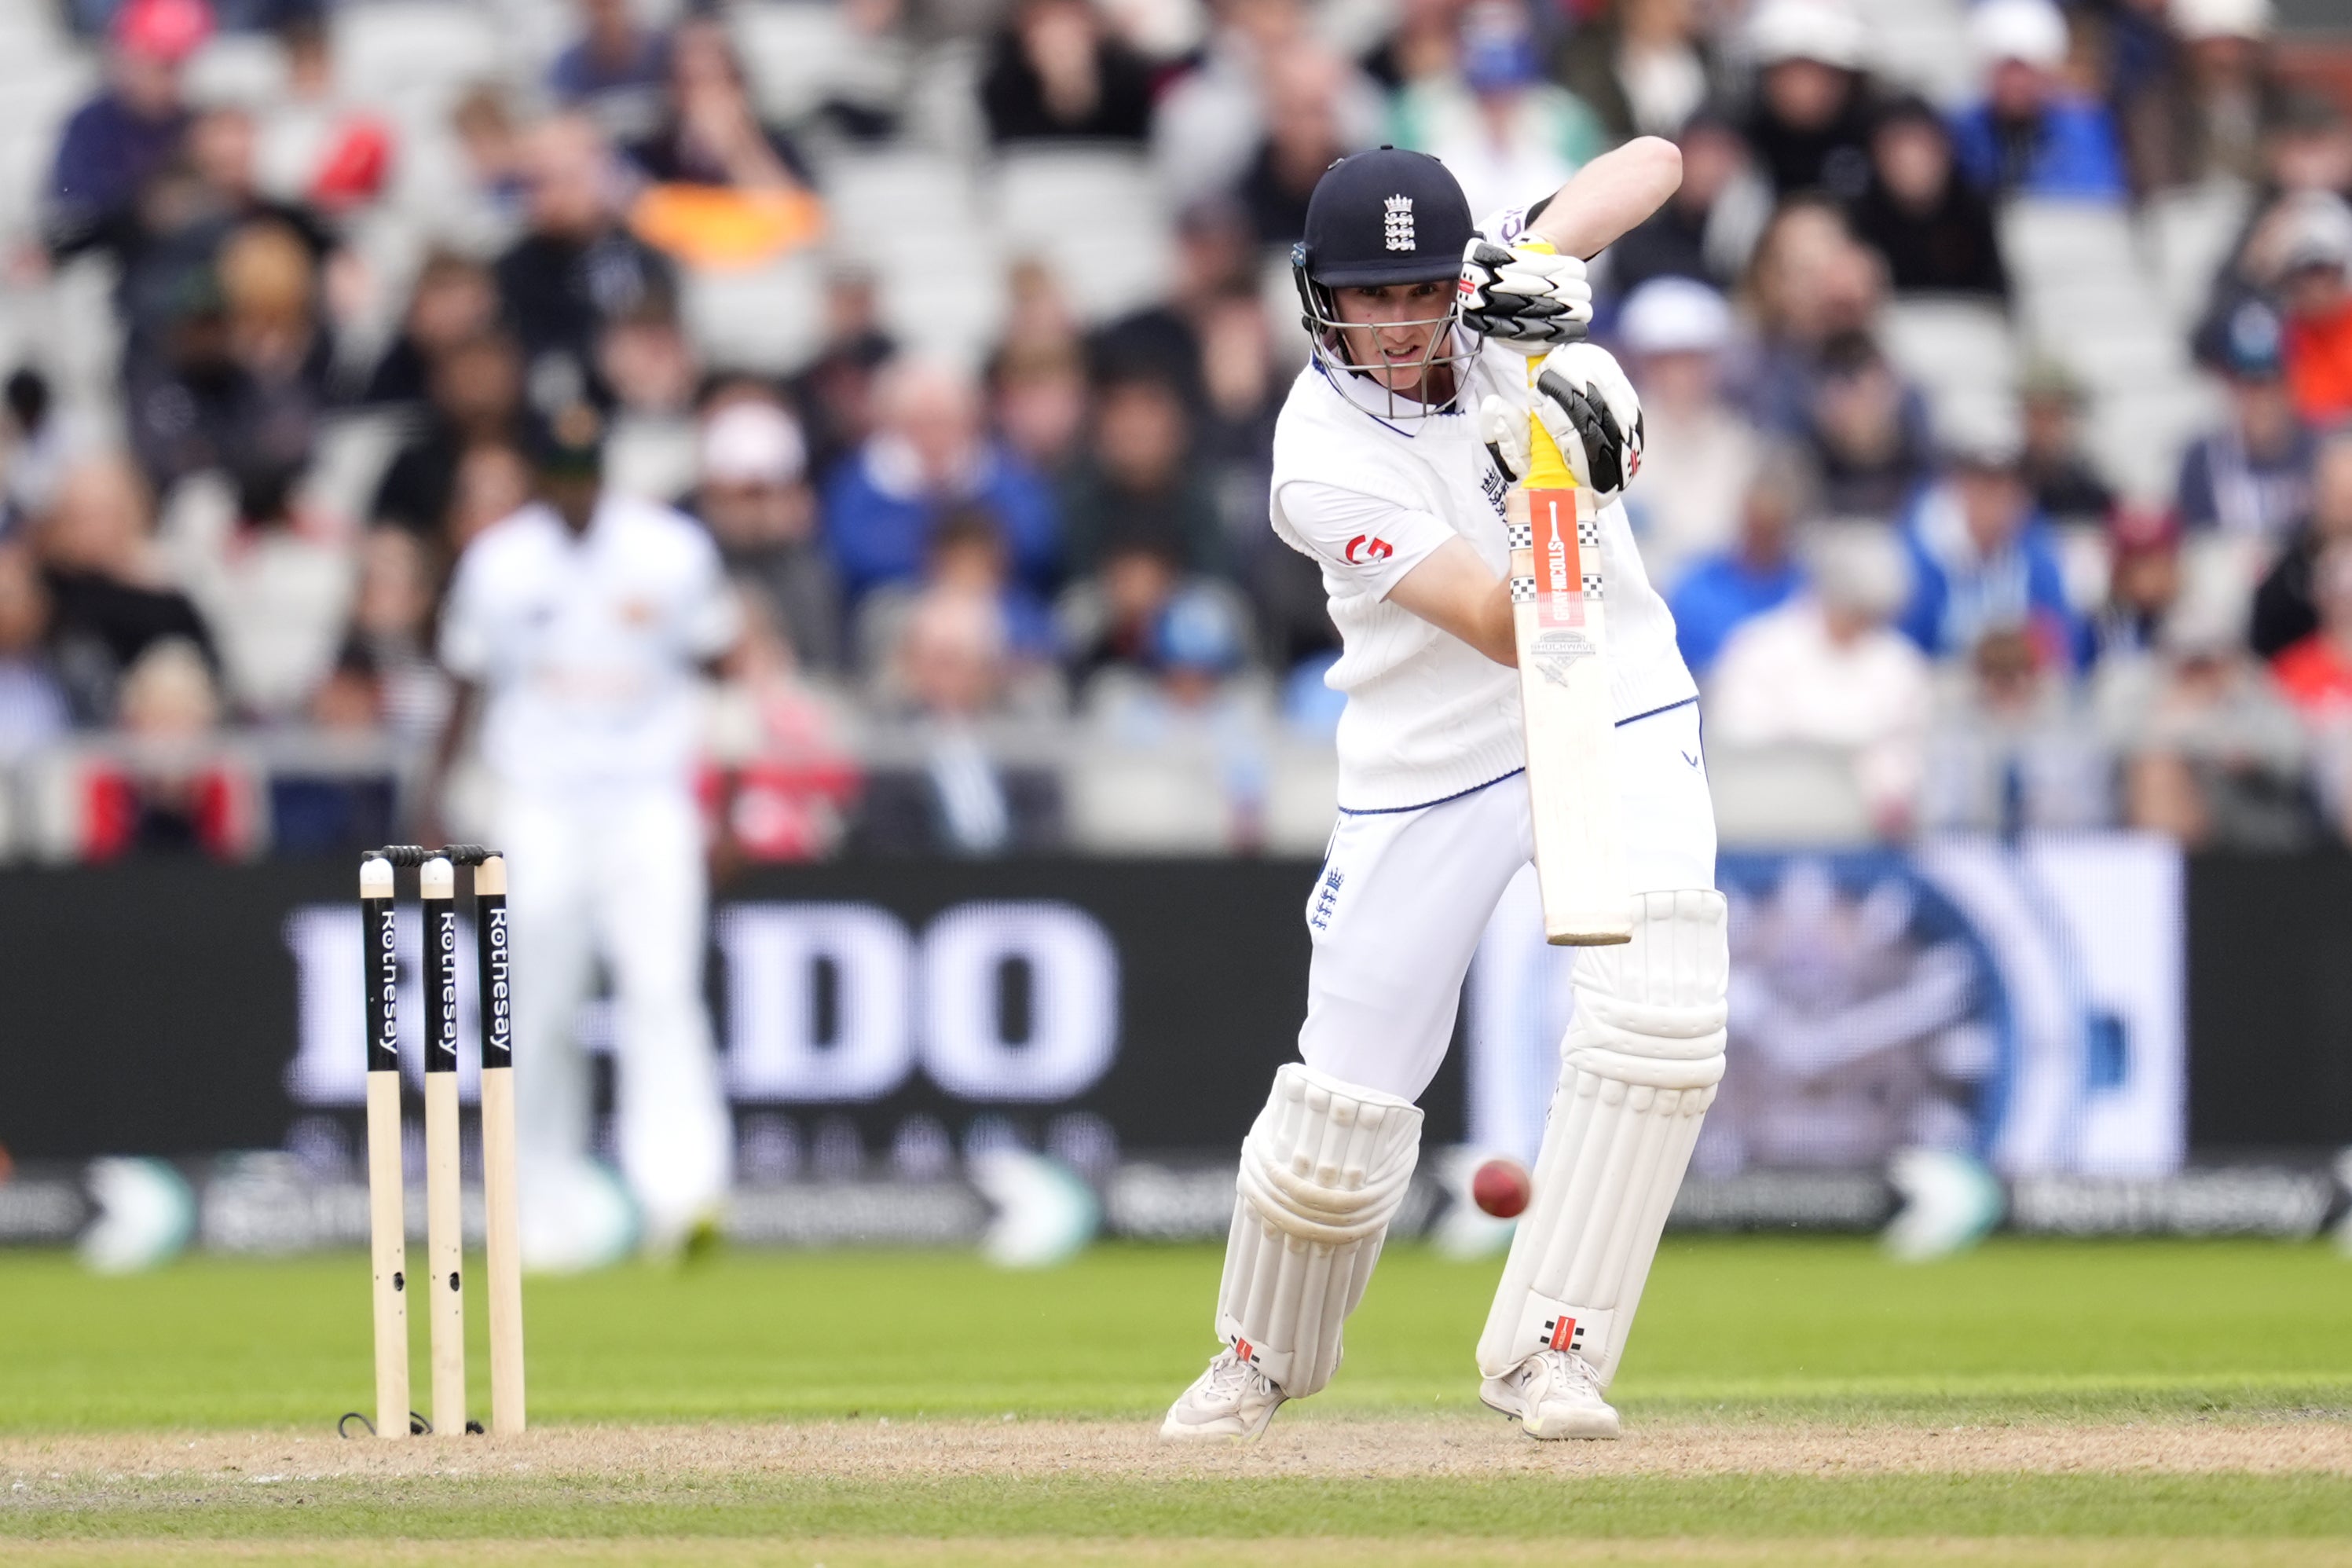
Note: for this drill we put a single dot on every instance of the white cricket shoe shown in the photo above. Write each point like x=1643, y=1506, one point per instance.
x=1555, y=1393
x=1231, y=1399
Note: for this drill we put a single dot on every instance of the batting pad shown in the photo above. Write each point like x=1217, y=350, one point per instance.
x=1323, y=1171
x=1638, y=1070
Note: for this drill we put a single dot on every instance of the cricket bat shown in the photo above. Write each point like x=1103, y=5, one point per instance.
x=1560, y=622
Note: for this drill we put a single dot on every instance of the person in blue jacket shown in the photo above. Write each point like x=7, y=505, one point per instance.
x=1983, y=559
x=930, y=454
x=2032, y=134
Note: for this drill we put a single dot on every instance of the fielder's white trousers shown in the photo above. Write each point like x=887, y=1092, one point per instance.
x=1404, y=896
x=618, y=876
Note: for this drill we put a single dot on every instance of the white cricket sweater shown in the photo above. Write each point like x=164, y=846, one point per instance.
x=1427, y=716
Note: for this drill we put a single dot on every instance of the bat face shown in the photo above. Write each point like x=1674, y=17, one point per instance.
x=1566, y=555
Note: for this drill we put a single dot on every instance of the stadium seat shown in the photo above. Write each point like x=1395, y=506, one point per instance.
x=1163, y=800
x=2188, y=233
x=767, y=319
x=1093, y=215
x=793, y=52
x=1960, y=352
x=1302, y=799
x=397, y=47
x=1772, y=797
x=914, y=212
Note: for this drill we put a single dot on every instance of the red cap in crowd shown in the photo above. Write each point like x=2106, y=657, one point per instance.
x=168, y=30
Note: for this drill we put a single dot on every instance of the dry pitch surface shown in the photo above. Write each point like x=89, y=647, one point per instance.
x=825, y=1492
x=102, y=1469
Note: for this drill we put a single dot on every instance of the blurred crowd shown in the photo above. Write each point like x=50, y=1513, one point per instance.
x=1997, y=361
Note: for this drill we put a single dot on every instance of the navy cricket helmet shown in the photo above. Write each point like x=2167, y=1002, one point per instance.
x=1381, y=217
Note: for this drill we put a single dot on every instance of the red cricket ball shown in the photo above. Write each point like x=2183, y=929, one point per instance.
x=1502, y=1187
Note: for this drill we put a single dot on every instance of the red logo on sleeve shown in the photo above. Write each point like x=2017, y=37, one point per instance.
x=1373, y=547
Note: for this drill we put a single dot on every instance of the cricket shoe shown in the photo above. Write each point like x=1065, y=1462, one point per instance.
x=1233, y=1399
x=1555, y=1393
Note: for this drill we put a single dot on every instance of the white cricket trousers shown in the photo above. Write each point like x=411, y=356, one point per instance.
x=618, y=876
x=1405, y=895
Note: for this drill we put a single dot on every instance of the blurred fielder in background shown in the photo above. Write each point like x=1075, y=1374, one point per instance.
x=1391, y=463
x=580, y=627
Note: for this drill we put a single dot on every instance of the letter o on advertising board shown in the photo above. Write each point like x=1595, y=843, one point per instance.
x=1073, y=1010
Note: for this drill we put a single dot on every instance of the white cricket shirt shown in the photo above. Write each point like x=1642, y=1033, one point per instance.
x=1368, y=498
x=590, y=647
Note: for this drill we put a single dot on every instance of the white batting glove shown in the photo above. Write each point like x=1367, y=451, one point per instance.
x=1529, y=300
x=1589, y=409
x=1503, y=425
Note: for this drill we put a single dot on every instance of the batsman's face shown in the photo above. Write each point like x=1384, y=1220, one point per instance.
x=1387, y=330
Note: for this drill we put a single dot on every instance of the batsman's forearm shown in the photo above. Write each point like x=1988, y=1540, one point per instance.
x=1610, y=195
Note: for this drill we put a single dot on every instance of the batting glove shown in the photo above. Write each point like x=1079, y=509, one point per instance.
x=1530, y=300
x=1588, y=409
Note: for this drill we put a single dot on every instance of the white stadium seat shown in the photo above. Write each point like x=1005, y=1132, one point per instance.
x=1095, y=215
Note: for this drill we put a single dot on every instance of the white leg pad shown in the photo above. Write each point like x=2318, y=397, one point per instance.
x=1323, y=1171
x=1638, y=1070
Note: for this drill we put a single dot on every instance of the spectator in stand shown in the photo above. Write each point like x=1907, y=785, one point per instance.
x=1825, y=669
x=2011, y=751
x=110, y=598
x=1707, y=230
x=1507, y=136
x=1982, y=561
x=578, y=269
x=1698, y=456
x=1644, y=66
x=273, y=580
x=1211, y=118
x=2314, y=286
x=835, y=394
x=1758, y=571
x=493, y=481
x=391, y=623
x=315, y=144
x=37, y=441
x=2065, y=487
x=1302, y=139
x=1809, y=123
x=957, y=800
x=777, y=775
x=752, y=491
x=1869, y=430
x=1138, y=482
x=124, y=137
x=2144, y=584
x=1215, y=259
x=929, y=452
x=1424, y=42
x=2315, y=674
x=2252, y=477
x=2032, y=134
x=1933, y=227
x=710, y=132
x=1809, y=281
x=491, y=172
x=452, y=301
x=1056, y=72
x=614, y=71
x=476, y=402
x=2199, y=112
x=1037, y=402
x=174, y=794
x=2213, y=756
x=2285, y=610
x=33, y=711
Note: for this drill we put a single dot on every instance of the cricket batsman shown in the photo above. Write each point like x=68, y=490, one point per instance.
x=578, y=629
x=1392, y=461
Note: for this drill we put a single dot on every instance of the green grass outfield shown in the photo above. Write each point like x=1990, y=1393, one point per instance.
x=1739, y=1336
